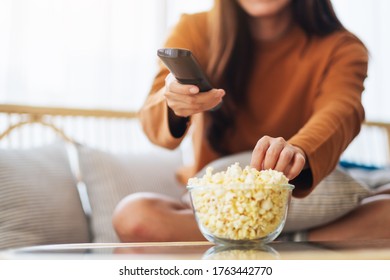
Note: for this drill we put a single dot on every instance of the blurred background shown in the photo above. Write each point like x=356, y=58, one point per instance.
x=83, y=53
x=102, y=53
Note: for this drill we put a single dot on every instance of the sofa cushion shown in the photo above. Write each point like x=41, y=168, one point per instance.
x=110, y=177
x=39, y=202
x=375, y=178
x=332, y=198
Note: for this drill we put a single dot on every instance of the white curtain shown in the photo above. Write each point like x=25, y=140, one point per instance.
x=102, y=53
x=83, y=53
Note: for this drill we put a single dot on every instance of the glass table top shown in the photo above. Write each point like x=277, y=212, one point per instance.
x=368, y=249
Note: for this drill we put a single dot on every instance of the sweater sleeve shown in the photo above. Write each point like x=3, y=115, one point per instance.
x=337, y=113
x=154, y=113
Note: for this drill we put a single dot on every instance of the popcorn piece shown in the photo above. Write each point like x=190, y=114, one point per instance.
x=240, y=204
x=242, y=254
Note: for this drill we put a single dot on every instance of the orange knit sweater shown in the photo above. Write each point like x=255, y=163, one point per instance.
x=306, y=90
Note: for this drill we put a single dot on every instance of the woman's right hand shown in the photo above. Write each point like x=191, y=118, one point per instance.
x=185, y=101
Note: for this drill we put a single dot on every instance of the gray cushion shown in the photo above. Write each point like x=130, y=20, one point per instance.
x=334, y=197
x=110, y=177
x=39, y=202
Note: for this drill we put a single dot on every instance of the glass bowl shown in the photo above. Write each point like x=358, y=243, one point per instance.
x=240, y=214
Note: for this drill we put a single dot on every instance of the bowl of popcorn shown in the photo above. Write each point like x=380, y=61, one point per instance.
x=240, y=205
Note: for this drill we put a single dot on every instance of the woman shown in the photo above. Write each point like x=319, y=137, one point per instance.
x=290, y=79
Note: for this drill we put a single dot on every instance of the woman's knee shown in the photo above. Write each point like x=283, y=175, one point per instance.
x=136, y=218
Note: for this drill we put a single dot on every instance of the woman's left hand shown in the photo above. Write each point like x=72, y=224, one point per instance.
x=277, y=154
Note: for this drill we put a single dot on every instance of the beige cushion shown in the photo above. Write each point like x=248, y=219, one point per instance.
x=334, y=197
x=110, y=177
x=39, y=202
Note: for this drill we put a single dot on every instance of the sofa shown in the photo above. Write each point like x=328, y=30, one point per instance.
x=65, y=190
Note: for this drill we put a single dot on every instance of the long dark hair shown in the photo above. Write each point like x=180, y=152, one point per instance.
x=231, y=55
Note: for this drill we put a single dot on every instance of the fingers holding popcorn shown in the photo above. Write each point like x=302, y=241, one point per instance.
x=278, y=154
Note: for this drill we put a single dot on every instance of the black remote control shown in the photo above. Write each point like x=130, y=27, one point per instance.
x=184, y=66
